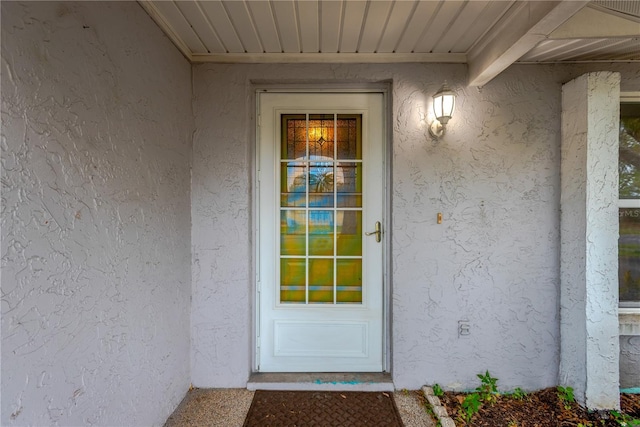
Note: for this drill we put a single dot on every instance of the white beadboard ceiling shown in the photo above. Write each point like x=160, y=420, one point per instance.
x=487, y=35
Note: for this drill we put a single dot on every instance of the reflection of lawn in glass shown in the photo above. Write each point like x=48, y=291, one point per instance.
x=629, y=256
x=629, y=251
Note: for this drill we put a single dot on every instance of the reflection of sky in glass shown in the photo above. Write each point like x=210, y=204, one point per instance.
x=321, y=180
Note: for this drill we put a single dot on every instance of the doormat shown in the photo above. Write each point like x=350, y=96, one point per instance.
x=322, y=408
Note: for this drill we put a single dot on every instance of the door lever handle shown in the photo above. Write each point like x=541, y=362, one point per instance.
x=378, y=232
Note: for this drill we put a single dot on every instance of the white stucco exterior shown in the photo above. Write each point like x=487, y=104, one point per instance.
x=589, y=236
x=495, y=259
x=96, y=143
x=128, y=220
x=629, y=361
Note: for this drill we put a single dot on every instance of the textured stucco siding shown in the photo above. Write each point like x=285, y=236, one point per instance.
x=494, y=260
x=221, y=236
x=589, y=238
x=629, y=361
x=573, y=275
x=629, y=349
x=602, y=233
x=98, y=253
x=96, y=131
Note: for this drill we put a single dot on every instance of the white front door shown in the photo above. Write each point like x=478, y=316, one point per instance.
x=320, y=259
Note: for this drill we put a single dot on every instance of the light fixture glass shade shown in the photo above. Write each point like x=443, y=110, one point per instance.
x=444, y=102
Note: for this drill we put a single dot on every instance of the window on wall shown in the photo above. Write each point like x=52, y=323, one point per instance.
x=629, y=204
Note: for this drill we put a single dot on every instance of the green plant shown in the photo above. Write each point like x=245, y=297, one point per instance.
x=518, y=394
x=624, y=420
x=486, y=392
x=565, y=394
x=437, y=390
x=488, y=387
x=470, y=406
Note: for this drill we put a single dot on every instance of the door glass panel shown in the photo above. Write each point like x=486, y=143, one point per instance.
x=349, y=280
x=321, y=131
x=321, y=184
x=292, y=279
x=293, y=232
x=349, y=127
x=293, y=186
x=321, y=232
x=349, y=185
x=320, y=280
x=321, y=209
x=349, y=233
x=294, y=136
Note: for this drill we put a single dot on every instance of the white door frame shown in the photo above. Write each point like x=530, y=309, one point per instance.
x=384, y=89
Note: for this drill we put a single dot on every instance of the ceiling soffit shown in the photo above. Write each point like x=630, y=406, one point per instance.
x=487, y=35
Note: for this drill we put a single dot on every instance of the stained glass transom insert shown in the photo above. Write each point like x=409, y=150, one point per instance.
x=321, y=209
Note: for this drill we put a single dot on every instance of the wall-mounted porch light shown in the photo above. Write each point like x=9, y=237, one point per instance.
x=444, y=102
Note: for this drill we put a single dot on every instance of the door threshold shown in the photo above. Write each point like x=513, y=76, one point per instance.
x=356, y=381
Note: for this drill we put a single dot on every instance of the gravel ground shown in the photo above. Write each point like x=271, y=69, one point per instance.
x=212, y=408
x=228, y=408
x=411, y=410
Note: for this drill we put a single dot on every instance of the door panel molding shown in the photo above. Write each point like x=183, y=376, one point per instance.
x=308, y=334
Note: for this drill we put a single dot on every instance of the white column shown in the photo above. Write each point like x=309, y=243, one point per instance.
x=589, y=349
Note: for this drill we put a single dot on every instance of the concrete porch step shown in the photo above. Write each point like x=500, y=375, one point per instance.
x=357, y=381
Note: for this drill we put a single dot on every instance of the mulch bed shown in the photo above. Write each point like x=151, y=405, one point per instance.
x=538, y=409
x=325, y=409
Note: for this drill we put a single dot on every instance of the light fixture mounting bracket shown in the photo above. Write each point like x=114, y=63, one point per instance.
x=436, y=130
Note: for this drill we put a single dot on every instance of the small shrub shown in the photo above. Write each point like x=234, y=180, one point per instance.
x=565, y=394
x=470, y=406
x=517, y=394
x=624, y=420
x=488, y=387
x=437, y=390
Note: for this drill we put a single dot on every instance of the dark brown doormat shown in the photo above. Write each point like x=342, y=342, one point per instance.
x=322, y=408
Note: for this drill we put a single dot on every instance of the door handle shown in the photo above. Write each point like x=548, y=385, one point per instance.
x=378, y=232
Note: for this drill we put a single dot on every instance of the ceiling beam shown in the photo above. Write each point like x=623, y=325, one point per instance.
x=524, y=25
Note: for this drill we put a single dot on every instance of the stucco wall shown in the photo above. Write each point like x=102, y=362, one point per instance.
x=629, y=361
x=96, y=131
x=589, y=238
x=494, y=260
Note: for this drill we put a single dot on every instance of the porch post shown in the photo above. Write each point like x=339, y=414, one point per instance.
x=589, y=348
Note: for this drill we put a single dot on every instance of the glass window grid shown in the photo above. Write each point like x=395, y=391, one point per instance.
x=629, y=203
x=307, y=162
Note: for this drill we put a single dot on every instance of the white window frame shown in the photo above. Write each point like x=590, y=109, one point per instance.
x=629, y=313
